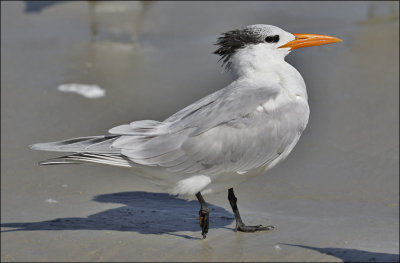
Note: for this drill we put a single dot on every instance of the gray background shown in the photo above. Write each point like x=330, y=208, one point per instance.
x=335, y=198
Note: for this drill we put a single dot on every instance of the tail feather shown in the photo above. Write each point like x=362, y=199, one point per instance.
x=77, y=158
x=93, y=144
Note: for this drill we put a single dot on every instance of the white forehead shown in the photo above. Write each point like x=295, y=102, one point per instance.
x=266, y=29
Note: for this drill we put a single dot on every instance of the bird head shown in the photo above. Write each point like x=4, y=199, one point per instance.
x=269, y=39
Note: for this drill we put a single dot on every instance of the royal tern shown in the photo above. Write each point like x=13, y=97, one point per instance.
x=223, y=139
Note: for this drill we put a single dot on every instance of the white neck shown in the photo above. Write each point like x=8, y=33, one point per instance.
x=257, y=62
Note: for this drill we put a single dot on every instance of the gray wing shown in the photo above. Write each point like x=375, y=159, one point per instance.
x=233, y=102
x=223, y=132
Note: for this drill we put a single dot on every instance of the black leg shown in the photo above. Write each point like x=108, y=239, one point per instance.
x=240, y=226
x=204, y=215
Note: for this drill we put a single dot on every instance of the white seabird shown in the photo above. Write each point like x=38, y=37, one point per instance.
x=223, y=139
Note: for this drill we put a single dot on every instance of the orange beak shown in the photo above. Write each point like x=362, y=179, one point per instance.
x=307, y=40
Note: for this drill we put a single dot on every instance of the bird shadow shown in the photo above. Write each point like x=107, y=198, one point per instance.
x=143, y=212
x=353, y=255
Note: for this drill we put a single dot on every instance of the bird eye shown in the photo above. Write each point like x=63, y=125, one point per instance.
x=272, y=39
x=269, y=39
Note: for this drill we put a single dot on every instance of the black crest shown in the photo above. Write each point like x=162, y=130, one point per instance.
x=229, y=42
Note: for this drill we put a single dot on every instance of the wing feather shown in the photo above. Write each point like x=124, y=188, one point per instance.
x=214, y=135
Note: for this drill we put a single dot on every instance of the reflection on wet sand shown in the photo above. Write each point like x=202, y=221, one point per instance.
x=381, y=13
x=117, y=21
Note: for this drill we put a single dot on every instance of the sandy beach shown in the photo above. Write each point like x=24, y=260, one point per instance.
x=335, y=198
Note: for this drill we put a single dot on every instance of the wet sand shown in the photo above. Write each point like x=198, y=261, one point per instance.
x=335, y=198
